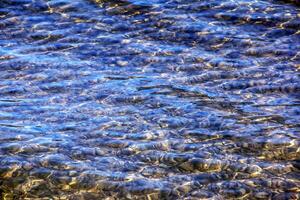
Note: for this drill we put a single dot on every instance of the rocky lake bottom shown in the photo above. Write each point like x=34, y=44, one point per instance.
x=157, y=99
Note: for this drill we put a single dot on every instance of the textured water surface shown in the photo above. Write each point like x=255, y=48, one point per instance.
x=149, y=99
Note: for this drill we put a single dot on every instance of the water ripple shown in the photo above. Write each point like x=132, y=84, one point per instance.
x=161, y=99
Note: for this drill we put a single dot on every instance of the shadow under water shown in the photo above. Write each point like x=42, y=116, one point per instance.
x=159, y=99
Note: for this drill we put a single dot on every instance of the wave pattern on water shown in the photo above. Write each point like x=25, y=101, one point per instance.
x=160, y=99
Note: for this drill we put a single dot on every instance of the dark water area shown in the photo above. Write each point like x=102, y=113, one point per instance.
x=149, y=99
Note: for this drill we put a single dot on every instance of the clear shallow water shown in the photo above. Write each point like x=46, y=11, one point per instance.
x=162, y=99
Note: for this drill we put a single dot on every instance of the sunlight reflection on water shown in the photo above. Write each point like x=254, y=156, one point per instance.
x=162, y=99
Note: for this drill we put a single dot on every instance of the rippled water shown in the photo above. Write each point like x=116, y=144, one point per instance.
x=149, y=99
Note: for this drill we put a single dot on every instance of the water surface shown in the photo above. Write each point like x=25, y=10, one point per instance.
x=149, y=99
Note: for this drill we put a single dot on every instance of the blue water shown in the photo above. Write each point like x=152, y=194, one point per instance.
x=149, y=99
